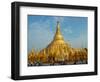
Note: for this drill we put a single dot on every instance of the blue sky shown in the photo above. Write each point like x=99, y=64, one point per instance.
x=41, y=30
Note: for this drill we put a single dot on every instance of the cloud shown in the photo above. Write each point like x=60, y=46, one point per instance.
x=59, y=18
x=68, y=30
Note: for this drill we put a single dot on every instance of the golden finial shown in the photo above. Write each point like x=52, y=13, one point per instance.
x=58, y=28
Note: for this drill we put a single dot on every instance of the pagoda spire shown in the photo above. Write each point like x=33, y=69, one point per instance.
x=58, y=28
x=58, y=35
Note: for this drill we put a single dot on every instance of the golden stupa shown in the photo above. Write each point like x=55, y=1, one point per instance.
x=58, y=48
x=58, y=51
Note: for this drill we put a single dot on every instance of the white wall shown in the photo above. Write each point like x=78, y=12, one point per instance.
x=5, y=39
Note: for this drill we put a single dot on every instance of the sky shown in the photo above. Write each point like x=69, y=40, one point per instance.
x=41, y=30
